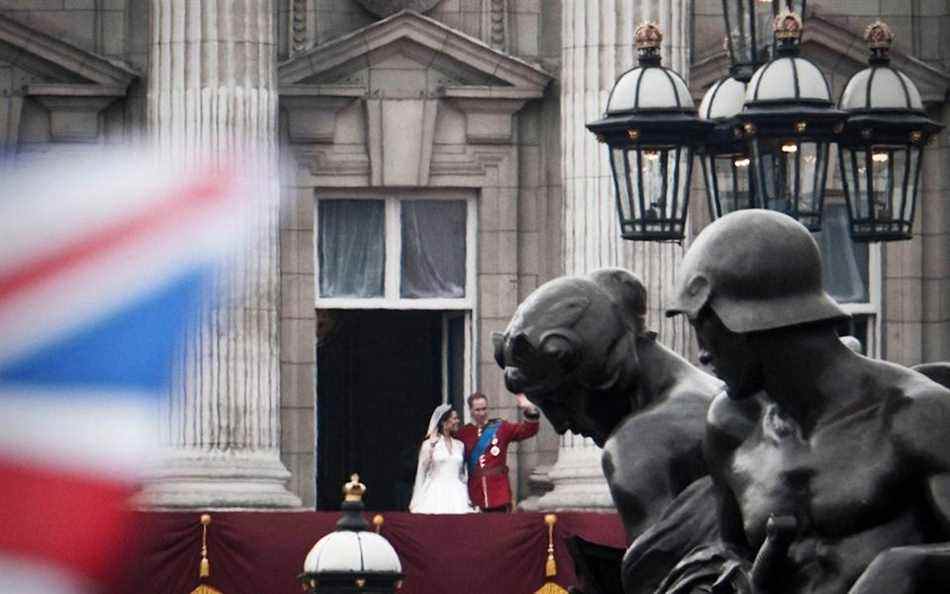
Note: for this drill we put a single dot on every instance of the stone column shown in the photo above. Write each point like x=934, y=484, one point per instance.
x=597, y=36
x=212, y=92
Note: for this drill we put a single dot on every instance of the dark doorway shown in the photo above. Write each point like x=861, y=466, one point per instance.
x=379, y=376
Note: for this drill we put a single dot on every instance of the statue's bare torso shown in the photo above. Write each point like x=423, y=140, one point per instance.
x=857, y=482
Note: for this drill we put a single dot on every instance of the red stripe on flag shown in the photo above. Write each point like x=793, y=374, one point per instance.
x=163, y=214
x=73, y=521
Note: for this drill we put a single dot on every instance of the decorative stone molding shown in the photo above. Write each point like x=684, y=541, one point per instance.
x=488, y=121
x=313, y=97
x=11, y=106
x=444, y=44
x=312, y=117
x=299, y=15
x=393, y=161
x=74, y=109
x=80, y=85
x=497, y=23
x=59, y=60
x=384, y=8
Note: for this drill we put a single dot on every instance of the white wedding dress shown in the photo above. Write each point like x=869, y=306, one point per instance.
x=441, y=481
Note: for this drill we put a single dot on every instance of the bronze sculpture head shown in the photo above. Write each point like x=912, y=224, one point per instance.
x=571, y=349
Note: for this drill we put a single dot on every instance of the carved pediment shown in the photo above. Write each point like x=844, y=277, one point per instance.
x=54, y=67
x=74, y=85
x=404, y=54
x=830, y=43
x=403, y=71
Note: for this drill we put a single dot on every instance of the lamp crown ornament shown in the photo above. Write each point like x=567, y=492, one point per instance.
x=343, y=562
x=880, y=38
x=648, y=39
x=353, y=490
x=787, y=29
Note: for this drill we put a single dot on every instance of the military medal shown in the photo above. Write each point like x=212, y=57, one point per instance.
x=495, y=451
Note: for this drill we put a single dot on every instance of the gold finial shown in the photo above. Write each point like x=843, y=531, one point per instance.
x=648, y=35
x=879, y=35
x=204, y=568
x=550, y=567
x=354, y=489
x=378, y=522
x=787, y=25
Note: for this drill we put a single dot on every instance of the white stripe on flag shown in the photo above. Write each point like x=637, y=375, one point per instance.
x=101, y=435
x=22, y=576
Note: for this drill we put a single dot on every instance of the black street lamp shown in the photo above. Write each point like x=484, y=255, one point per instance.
x=652, y=131
x=725, y=157
x=352, y=559
x=763, y=134
x=789, y=120
x=881, y=149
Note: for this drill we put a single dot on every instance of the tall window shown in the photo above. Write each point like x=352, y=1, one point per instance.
x=410, y=251
x=852, y=275
x=397, y=252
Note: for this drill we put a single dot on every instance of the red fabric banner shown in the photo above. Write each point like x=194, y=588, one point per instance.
x=263, y=552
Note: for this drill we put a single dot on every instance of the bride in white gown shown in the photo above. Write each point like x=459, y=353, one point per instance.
x=441, y=479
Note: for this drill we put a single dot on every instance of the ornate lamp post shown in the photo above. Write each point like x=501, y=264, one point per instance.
x=652, y=131
x=763, y=133
x=789, y=120
x=725, y=156
x=352, y=559
x=881, y=149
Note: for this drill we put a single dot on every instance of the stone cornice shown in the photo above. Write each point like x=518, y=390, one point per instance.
x=933, y=83
x=84, y=65
x=513, y=74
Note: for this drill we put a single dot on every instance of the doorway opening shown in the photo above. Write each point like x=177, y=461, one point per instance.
x=380, y=374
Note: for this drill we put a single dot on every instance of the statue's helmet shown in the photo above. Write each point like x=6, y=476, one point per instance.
x=758, y=270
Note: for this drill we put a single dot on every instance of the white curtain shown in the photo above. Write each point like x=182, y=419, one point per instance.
x=845, y=262
x=352, y=248
x=433, y=248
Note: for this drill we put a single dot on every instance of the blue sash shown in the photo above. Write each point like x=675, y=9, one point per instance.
x=487, y=434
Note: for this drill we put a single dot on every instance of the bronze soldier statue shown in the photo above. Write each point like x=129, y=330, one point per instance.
x=578, y=348
x=833, y=469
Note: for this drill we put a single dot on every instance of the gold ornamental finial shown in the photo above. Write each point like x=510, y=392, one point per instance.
x=378, y=522
x=550, y=567
x=787, y=25
x=648, y=35
x=353, y=490
x=204, y=567
x=879, y=35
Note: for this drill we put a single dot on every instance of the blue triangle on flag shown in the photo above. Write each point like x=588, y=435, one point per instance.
x=130, y=348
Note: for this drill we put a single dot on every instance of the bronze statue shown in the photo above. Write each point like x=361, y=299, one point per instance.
x=578, y=349
x=833, y=469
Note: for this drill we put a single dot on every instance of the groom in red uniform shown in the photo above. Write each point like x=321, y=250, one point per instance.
x=486, y=451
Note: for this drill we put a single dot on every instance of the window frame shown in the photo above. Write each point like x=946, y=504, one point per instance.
x=392, y=267
x=872, y=307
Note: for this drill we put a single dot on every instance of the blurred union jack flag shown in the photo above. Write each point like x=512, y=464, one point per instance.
x=102, y=264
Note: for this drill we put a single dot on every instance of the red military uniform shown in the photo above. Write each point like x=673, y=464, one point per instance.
x=488, y=484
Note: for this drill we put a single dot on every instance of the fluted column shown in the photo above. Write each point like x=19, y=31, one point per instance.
x=597, y=37
x=212, y=94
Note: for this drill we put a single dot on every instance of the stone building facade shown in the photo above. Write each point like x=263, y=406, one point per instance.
x=472, y=111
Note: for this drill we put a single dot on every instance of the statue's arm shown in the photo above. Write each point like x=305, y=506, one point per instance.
x=920, y=568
